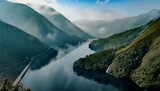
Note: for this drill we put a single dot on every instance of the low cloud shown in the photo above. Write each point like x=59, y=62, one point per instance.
x=102, y=1
x=78, y=12
x=52, y=37
x=100, y=14
x=102, y=30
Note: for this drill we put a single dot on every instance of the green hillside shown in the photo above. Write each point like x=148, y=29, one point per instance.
x=107, y=48
x=117, y=40
x=129, y=58
x=98, y=61
x=35, y=24
x=139, y=61
x=148, y=73
x=62, y=22
x=15, y=47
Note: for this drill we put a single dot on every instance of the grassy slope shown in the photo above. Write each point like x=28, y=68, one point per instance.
x=101, y=60
x=134, y=55
x=130, y=57
x=138, y=61
x=117, y=40
x=148, y=74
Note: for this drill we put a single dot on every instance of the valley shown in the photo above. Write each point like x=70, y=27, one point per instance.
x=79, y=45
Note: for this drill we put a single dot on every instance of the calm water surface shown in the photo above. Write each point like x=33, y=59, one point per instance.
x=59, y=76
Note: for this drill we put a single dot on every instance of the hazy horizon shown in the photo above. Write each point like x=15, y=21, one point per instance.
x=108, y=10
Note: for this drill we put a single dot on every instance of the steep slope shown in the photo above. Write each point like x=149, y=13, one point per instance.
x=117, y=40
x=60, y=21
x=15, y=47
x=103, y=29
x=138, y=61
x=139, y=54
x=35, y=24
x=148, y=74
x=107, y=48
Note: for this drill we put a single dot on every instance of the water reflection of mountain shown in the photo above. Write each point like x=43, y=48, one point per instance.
x=106, y=79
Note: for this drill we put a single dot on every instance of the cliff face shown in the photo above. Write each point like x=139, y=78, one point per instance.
x=139, y=61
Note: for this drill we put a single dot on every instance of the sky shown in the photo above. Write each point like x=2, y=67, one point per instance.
x=108, y=10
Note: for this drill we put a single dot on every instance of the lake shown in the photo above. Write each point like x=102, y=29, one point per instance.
x=59, y=75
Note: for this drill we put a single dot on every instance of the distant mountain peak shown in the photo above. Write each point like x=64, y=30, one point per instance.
x=118, y=25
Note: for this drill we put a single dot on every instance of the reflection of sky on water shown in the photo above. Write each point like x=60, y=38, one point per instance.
x=59, y=75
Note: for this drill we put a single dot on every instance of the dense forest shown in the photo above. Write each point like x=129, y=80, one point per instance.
x=138, y=61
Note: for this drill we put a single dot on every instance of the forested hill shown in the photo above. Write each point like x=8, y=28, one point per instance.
x=138, y=61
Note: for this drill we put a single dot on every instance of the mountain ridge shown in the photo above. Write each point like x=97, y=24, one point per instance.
x=60, y=21
x=16, y=47
x=103, y=29
x=35, y=24
x=138, y=61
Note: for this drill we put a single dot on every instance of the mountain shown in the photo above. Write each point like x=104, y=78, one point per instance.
x=15, y=47
x=106, y=49
x=117, y=40
x=32, y=22
x=138, y=61
x=60, y=21
x=103, y=29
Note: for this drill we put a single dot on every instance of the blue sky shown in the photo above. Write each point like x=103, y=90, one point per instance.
x=98, y=9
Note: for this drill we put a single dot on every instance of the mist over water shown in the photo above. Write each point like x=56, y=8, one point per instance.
x=59, y=75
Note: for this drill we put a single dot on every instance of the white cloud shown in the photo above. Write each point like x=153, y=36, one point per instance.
x=102, y=1
x=78, y=12
x=99, y=14
x=52, y=37
x=102, y=30
x=53, y=3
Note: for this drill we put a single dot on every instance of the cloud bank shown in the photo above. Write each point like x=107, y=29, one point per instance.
x=78, y=11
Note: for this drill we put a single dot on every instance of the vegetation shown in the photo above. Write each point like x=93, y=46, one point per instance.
x=139, y=61
x=7, y=86
x=30, y=21
x=125, y=63
x=143, y=67
x=15, y=47
x=98, y=61
x=117, y=40
x=148, y=74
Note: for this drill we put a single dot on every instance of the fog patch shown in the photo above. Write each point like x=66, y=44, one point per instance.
x=62, y=52
x=59, y=75
x=52, y=37
x=102, y=30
